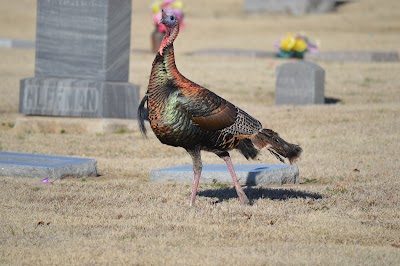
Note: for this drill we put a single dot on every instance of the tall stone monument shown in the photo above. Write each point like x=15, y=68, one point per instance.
x=82, y=61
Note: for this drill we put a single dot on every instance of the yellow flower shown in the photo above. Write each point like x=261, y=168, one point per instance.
x=177, y=4
x=156, y=7
x=300, y=45
x=288, y=43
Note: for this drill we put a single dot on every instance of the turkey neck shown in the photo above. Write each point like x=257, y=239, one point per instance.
x=164, y=74
x=169, y=37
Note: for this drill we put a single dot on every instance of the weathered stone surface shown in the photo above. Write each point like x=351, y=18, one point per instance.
x=82, y=61
x=354, y=56
x=77, y=97
x=300, y=83
x=83, y=39
x=247, y=174
x=294, y=7
x=45, y=166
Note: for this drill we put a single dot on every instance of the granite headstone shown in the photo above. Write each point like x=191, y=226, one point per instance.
x=82, y=61
x=300, y=83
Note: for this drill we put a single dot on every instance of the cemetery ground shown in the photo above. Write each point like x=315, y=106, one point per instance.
x=344, y=212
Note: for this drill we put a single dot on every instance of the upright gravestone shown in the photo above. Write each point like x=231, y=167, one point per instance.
x=299, y=83
x=82, y=61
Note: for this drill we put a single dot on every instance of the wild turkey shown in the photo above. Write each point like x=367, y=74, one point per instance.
x=184, y=114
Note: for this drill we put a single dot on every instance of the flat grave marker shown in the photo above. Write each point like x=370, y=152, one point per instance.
x=45, y=166
x=235, y=52
x=247, y=174
x=354, y=56
x=16, y=43
x=333, y=56
x=293, y=7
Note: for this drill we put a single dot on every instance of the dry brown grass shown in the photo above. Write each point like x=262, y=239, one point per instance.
x=338, y=216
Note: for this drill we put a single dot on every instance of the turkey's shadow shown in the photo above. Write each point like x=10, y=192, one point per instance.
x=258, y=193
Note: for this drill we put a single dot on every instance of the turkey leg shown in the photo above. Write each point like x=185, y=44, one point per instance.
x=242, y=196
x=197, y=166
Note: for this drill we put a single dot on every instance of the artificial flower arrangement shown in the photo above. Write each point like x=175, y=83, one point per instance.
x=295, y=46
x=169, y=6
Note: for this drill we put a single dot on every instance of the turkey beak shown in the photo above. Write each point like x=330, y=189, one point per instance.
x=163, y=15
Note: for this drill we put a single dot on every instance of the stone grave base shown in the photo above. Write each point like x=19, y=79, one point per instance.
x=78, y=97
x=60, y=125
x=45, y=166
x=247, y=174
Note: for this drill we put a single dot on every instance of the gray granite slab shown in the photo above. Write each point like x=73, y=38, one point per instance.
x=16, y=43
x=354, y=56
x=334, y=56
x=79, y=98
x=293, y=7
x=234, y=52
x=45, y=166
x=247, y=174
x=83, y=39
x=300, y=83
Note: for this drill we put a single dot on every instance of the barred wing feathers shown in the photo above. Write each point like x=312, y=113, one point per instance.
x=212, y=112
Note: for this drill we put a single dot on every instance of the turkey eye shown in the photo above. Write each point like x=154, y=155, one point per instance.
x=172, y=18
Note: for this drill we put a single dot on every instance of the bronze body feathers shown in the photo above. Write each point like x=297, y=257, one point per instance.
x=185, y=114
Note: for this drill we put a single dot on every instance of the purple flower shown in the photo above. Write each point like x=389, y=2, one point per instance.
x=47, y=181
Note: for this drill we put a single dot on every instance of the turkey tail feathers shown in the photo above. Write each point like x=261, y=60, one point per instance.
x=142, y=115
x=276, y=145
